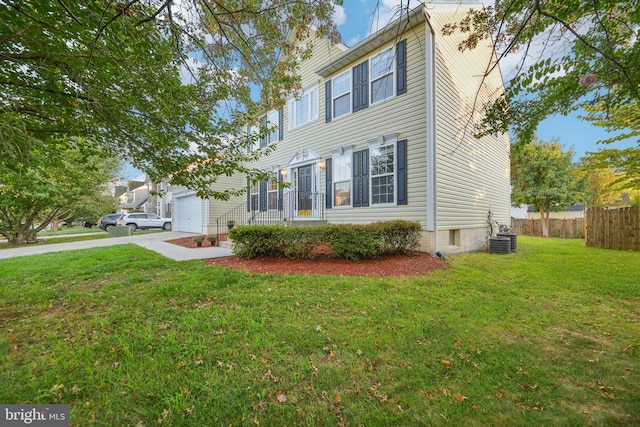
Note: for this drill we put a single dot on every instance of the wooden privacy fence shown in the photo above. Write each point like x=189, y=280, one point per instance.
x=565, y=228
x=614, y=228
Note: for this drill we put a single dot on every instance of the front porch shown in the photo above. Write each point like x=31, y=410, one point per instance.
x=300, y=208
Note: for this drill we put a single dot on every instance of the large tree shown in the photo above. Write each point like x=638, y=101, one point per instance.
x=571, y=54
x=544, y=176
x=167, y=85
x=42, y=182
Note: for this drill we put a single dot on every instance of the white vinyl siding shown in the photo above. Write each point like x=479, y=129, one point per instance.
x=473, y=174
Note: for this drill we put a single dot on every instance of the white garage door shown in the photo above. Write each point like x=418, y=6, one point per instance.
x=188, y=214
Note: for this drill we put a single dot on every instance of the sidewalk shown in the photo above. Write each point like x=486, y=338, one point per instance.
x=152, y=241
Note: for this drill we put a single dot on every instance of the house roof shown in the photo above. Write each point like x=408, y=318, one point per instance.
x=135, y=204
x=374, y=41
x=579, y=207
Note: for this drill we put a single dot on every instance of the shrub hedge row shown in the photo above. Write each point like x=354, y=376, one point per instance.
x=347, y=241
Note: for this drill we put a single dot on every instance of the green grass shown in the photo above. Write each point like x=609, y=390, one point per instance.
x=71, y=238
x=72, y=230
x=549, y=335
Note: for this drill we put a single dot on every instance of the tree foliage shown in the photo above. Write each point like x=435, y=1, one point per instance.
x=45, y=182
x=568, y=49
x=573, y=54
x=545, y=177
x=166, y=85
x=605, y=187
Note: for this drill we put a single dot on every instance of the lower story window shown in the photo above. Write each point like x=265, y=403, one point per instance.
x=255, y=196
x=273, y=193
x=382, y=174
x=342, y=180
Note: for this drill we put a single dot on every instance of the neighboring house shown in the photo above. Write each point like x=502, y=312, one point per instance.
x=519, y=212
x=381, y=131
x=570, y=212
x=136, y=196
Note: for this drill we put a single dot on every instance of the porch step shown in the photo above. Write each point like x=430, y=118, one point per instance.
x=225, y=244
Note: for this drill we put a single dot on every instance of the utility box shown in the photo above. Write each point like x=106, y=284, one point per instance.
x=120, y=231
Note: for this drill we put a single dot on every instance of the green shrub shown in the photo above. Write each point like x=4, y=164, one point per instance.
x=299, y=242
x=398, y=236
x=252, y=241
x=353, y=242
x=347, y=241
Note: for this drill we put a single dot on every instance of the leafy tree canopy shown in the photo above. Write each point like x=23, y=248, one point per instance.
x=545, y=177
x=573, y=54
x=569, y=49
x=164, y=84
x=45, y=182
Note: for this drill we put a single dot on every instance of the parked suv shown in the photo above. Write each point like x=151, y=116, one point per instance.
x=144, y=221
x=108, y=221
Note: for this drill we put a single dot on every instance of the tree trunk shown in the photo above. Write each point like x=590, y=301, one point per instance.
x=544, y=222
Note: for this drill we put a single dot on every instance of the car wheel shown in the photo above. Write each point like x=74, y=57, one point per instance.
x=133, y=227
x=167, y=226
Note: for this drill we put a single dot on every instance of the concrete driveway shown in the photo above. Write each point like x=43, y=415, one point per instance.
x=155, y=241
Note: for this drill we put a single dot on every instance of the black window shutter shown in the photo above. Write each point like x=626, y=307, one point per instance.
x=360, y=77
x=280, y=191
x=401, y=148
x=401, y=67
x=263, y=195
x=365, y=177
x=281, y=124
x=263, y=125
x=360, y=178
x=357, y=179
x=329, y=181
x=327, y=101
x=248, y=195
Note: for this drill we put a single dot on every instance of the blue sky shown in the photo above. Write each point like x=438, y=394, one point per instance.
x=357, y=18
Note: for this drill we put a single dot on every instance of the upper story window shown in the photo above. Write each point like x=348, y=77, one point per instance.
x=342, y=173
x=375, y=79
x=304, y=109
x=383, y=170
x=273, y=123
x=254, y=134
x=342, y=94
x=381, y=72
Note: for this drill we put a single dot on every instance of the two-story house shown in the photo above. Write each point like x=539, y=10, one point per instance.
x=383, y=130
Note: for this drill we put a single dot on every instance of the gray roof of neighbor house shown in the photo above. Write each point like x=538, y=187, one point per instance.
x=572, y=208
x=135, y=204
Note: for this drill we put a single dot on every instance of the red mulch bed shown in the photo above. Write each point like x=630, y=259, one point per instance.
x=417, y=264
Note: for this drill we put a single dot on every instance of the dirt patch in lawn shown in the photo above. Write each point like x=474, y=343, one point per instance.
x=416, y=264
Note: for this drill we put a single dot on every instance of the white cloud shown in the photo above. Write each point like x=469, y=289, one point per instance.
x=339, y=16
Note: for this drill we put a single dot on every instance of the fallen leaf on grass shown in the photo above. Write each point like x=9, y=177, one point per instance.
x=528, y=386
x=282, y=398
x=460, y=398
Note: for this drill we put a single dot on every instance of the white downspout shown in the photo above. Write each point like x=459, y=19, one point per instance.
x=432, y=184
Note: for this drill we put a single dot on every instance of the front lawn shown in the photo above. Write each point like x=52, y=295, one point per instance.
x=549, y=335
